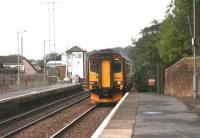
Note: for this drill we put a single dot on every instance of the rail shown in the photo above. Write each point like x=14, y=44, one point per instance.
x=39, y=109
x=58, y=133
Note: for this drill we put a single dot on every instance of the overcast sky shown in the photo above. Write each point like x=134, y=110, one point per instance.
x=90, y=24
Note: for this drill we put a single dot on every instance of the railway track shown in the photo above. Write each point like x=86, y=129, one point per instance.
x=61, y=131
x=84, y=125
x=12, y=125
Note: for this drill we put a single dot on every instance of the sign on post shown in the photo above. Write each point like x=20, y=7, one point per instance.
x=151, y=82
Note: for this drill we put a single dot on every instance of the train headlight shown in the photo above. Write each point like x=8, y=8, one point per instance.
x=119, y=82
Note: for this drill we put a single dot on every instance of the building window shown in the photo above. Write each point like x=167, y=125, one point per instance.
x=75, y=55
x=79, y=55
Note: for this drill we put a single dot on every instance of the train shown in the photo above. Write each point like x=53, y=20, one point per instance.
x=109, y=75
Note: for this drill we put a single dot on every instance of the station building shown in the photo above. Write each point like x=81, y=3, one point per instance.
x=75, y=59
x=72, y=63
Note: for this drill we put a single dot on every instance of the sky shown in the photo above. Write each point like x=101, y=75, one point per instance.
x=89, y=24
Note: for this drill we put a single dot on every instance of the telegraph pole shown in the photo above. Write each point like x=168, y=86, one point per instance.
x=52, y=2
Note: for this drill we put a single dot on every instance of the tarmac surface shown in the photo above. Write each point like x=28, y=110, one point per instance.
x=160, y=116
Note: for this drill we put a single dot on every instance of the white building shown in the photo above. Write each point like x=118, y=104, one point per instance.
x=75, y=59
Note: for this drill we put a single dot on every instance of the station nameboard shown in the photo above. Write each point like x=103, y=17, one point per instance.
x=151, y=82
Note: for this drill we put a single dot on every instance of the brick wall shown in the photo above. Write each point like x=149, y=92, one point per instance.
x=178, y=78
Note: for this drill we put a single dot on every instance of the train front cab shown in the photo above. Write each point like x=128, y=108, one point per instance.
x=106, y=79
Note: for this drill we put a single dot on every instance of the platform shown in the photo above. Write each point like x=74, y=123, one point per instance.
x=34, y=92
x=160, y=116
x=120, y=122
x=147, y=115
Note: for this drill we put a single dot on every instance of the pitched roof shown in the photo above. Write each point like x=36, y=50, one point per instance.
x=76, y=49
x=30, y=64
x=9, y=59
x=34, y=64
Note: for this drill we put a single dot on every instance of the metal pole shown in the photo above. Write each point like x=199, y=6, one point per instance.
x=22, y=51
x=195, y=82
x=45, y=73
x=54, y=35
x=18, y=68
x=21, y=46
x=44, y=65
x=49, y=28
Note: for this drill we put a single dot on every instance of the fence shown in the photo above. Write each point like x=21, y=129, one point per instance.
x=9, y=82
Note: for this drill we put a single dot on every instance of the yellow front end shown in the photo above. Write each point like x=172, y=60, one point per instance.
x=95, y=98
x=105, y=85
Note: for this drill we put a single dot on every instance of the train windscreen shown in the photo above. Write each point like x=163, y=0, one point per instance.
x=94, y=65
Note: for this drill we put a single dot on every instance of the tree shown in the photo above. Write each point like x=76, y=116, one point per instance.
x=173, y=43
x=166, y=42
x=176, y=31
x=52, y=56
x=184, y=10
x=10, y=71
x=145, y=55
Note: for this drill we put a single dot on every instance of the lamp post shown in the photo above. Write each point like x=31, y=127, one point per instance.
x=45, y=61
x=18, y=67
x=195, y=81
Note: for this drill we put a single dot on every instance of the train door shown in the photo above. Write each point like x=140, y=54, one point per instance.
x=105, y=73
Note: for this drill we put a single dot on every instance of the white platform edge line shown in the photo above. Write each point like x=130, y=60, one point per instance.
x=107, y=119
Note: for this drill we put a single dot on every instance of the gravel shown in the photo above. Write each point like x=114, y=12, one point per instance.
x=4, y=129
x=49, y=126
x=87, y=126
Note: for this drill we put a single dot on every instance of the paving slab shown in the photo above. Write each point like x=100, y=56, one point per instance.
x=160, y=116
x=121, y=124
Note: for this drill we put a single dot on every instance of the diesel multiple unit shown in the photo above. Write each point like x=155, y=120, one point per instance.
x=109, y=74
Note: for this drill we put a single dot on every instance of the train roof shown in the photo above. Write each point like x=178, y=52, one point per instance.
x=106, y=51
x=110, y=51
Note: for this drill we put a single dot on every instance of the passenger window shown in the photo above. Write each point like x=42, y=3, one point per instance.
x=94, y=65
x=117, y=66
